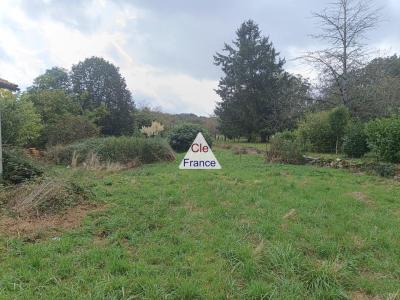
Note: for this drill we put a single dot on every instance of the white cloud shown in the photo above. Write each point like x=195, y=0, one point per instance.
x=36, y=36
x=35, y=45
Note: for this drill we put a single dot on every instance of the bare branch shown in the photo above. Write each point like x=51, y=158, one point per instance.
x=344, y=26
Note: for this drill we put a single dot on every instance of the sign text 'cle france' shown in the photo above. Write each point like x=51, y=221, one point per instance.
x=199, y=156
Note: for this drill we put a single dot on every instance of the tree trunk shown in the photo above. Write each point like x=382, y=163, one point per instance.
x=263, y=138
x=337, y=145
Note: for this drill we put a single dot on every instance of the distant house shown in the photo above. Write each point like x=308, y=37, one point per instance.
x=4, y=84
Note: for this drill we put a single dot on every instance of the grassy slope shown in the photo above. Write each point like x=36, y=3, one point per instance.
x=218, y=234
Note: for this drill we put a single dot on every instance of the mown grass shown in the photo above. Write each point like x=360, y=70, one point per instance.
x=248, y=231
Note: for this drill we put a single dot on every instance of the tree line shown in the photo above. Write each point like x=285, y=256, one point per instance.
x=259, y=97
x=90, y=99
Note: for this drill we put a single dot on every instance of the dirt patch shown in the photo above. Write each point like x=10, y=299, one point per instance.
x=192, y=208
x=360, y=196
x=358, y=241
x=30, y=226
x=303, y=183
x=362, y=296
x=246, y=150
x=290, y=215
x=246, y=222
x=226, y=203
x=259, y=247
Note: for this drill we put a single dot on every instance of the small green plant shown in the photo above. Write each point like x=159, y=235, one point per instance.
x=285, y=147
x=383, y=136
x=355, y=140
x=181, y=137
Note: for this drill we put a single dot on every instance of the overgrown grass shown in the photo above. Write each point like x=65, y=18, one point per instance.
x=42, y=197
x=248, y=231
x=114, y=149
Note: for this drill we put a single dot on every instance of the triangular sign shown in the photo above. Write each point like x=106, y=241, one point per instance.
x=199, y=156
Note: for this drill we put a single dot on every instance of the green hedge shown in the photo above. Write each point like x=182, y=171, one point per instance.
x=114, y=149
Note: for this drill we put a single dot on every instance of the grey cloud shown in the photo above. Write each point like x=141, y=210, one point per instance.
x=182, y=36
x=73, y=13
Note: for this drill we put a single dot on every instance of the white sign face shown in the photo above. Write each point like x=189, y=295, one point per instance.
x=199, y=156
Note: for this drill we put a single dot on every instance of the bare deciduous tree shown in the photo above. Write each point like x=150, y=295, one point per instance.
x=343, y=27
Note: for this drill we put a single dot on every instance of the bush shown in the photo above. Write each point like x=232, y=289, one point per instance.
x=156, y=128
x=383, y=137
x=181, y=137
x=114, y=149
x=384, y=170
x=17, y=169
x=355, y=140
x=69, y=129
x=323, y=131
x=285, y=147
x=315, y=131
x=21, y=124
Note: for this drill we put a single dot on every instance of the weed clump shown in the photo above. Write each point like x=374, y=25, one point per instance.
x=46, y=196
x=285, y=147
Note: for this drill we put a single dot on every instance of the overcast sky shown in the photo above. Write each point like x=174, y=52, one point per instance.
x=164, y=48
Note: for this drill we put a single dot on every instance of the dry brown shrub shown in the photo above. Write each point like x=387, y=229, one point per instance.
x=42, y=197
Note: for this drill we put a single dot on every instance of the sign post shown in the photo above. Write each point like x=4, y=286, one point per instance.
x=199, y=156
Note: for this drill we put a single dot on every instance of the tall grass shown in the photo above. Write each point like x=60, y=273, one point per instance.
x=113, y=149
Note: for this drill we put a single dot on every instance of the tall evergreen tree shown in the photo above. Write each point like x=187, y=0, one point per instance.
x=255, y=86
x=99, y=86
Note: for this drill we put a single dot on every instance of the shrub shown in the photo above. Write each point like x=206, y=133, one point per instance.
x=285, y=147
x=21, y=124
x=323, y=131
x=384, y=169
x=355, y=140
x=181, y=137
x=338, y=119
x=114, y=149
x=17, y=169
x=383, y=137
x=68, y=129
x=315, y=131
x=156, y=128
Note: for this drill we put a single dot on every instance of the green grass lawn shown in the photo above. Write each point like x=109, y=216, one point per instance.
x=248, y=231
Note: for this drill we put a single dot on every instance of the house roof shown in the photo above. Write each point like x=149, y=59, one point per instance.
x=8, y=85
